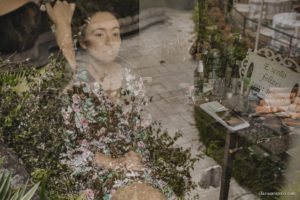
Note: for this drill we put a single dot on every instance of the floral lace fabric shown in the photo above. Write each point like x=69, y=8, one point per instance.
x=96, y=124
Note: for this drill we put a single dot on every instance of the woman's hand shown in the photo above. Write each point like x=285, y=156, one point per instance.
x=61, y=13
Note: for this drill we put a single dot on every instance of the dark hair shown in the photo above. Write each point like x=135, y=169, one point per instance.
x=82, y=29
x=19, y=29
x=294, y=91
x=82, y=36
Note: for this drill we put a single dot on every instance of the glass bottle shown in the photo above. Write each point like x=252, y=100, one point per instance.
x=199, y=79
x=215, y=62
x=228, y=75
x=228, y=87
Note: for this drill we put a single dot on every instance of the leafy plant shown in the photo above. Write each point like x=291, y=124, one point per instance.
x=212, y=29
x=6, y=193
x=172, y=164
x=168, y=167
x=30, y=123
x=34, y=129
x=201, y=20
x=250, y=169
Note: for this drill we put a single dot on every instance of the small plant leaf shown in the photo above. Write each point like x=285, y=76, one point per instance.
x=23, y=190
x=4, y=188
x=31, y=192
x=16, y=195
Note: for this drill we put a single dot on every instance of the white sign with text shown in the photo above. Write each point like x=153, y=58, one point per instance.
x=270, y=74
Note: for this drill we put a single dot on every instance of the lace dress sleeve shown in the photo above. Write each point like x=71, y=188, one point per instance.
x=134, y=97
x=134, y=84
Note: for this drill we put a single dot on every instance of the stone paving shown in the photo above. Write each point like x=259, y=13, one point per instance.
x=161, y=52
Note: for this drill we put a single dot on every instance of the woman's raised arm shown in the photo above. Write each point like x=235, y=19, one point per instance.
x=61, y=15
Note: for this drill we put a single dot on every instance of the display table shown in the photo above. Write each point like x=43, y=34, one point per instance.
x=263, y=136
x=264, y=132
x=265, y=77
x=213, y=108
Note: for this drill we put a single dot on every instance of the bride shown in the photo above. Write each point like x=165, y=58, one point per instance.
x=100, y=39
x=111, y=152
x=103, y=85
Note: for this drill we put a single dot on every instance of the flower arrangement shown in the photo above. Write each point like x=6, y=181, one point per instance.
x=6, y=192
x=95, y=124
x=57, y=136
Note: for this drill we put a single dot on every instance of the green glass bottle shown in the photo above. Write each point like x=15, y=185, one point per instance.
x=215, y=62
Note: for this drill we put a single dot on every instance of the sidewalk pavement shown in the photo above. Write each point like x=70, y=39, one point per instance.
x=162, y=52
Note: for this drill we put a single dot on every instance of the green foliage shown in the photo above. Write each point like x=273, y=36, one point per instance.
x=201, y=20
x=43, y=190
x=31, y=124
x=214, y=33
x=172, y=164
x=239, y=50
x=6, y=193
x=16, y=80
x=40, y=174
x=260, y=170
x=165, y=161
x=248, y=168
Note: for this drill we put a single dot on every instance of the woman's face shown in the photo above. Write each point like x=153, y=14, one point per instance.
x=103, y=37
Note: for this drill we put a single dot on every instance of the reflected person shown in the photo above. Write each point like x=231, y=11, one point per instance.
x=100, y=40
x=97, y=66
x=281, y=100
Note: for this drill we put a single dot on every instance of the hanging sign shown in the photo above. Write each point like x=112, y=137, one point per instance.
x=270, y=71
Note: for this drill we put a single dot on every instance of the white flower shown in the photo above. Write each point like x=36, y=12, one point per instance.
x=88, y=194
x=136, y=92
x=104, y=171
x=146, y=123
x=86, y=89
x=95, y=176
x=132, y=174
x=112, y=192
x=69, y=109
x=128, y=75
x=118, y=183
x=65, y=114
x=78, y=123
x=84, y=143
x=102, y=130
x=141, y=144
x=96, y=86
x=140, y=83
x=84, y=122
x=75, y=107
x=76, y=99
